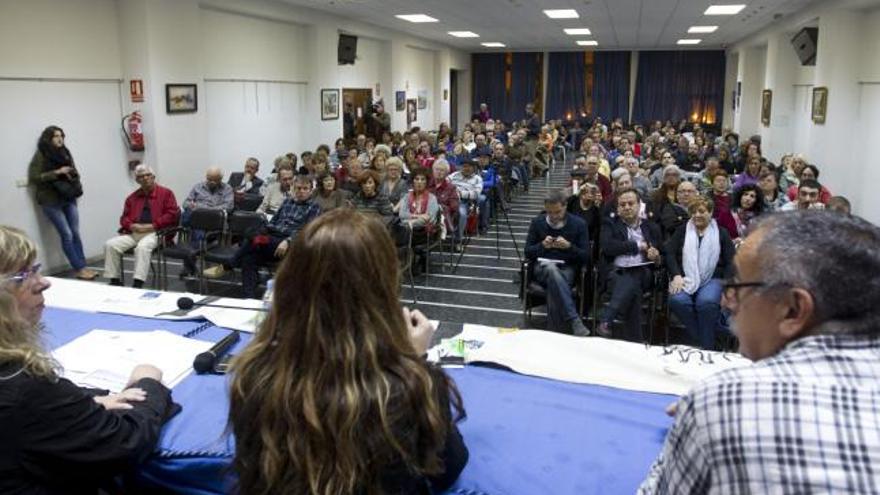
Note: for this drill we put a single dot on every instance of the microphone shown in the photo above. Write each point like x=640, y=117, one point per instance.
x=205, y=362
x=186, y=303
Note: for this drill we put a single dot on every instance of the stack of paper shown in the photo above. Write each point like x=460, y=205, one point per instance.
x=105, y=358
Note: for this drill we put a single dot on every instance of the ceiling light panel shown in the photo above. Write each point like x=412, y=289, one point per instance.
x=588, y=43
x=493, y=44
x=577, y=31
x=724, y=9
x=464, y=34
x=562, y=13
x=689, y=42
x=702, y=29
x=417, y=18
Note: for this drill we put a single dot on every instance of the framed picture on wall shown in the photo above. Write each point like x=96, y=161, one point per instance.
x=411, y=112
x=400, y=100
x=181, y=98
x=766, y=102
x=820, y=104
x=423, y=99
x=329, y=104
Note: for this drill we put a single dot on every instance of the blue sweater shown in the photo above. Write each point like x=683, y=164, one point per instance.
x=574, y=231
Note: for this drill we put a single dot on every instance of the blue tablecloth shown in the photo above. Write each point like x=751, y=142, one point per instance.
x=526, y=435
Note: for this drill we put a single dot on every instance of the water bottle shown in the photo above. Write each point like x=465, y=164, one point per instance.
x=261, y=316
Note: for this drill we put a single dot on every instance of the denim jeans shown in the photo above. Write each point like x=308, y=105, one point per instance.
x=557, y=280
x=699, y=312
x=65, y=218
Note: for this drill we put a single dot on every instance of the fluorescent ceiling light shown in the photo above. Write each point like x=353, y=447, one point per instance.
x=577, y=31
x=724, y=9
x=588, y=43
x=464, y=34
x=702, y=29
x=493, y=44
x=416, y=18
x=689, y=42
x=562, y=13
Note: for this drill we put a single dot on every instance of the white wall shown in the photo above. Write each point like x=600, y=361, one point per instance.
x=848, y=65
x=259, y=67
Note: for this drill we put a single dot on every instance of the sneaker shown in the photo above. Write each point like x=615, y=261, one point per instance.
x=603, y=330
x=214, y=272
x=86, y=274
x=578, y=329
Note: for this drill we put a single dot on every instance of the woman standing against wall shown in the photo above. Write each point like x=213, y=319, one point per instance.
x=58, y=186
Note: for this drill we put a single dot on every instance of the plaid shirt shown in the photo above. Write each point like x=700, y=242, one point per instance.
x=806, y=420
x=293, y=216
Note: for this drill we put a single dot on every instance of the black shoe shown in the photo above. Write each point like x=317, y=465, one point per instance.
x=603, y=330
x=137, y=284
x=185, y=273
x=116, y=282
x=577, y=328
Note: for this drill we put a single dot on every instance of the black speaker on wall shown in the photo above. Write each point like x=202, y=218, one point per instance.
x=805, y=43
x=347, y=50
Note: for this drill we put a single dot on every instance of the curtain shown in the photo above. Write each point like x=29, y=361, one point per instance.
x=566, y=84
x=488, y=83
x=611, y=85
x=525, y=70
x=680, y=85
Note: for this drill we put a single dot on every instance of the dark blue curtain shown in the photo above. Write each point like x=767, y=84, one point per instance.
x=488, y=84
x=680, y=85
x=525, y=70
x=566, y=84
x=611, y=85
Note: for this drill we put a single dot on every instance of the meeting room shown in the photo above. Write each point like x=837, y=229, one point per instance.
x=413, y=247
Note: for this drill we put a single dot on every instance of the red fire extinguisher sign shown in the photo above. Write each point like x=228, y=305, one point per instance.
x=136, y=88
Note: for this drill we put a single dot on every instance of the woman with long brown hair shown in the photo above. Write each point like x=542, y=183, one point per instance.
x=330, y=400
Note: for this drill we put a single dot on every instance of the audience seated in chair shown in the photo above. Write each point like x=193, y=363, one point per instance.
x=279, y=191
x=393, y=186
x=327, y=195
x=148, y=210
x=470, y=190
x=247, y=182
x=272, y=242
x=211, y=194
x=557, y=245
x=446, y=194
x=418, y=209
x=699, y=257
x=632, y=246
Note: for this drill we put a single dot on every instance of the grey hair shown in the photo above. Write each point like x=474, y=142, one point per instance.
x=441, y=164
x=143, y=169
x=556, y=196
x=617, y=173
x=836, y=258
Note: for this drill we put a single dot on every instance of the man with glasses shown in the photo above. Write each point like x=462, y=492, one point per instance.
x=804, y=417
x=149, y=209
x=586, y=167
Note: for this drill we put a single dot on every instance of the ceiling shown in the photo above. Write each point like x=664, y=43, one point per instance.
x=522, y=25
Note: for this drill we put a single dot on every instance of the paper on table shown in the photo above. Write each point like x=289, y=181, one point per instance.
x=105, y=358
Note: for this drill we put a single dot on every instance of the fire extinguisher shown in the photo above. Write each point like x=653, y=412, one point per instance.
x=133, y=132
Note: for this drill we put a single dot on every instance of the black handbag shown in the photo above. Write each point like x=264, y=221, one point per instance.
x=68, y=189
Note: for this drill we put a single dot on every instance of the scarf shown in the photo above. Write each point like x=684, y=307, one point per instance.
x=699, y=259
x=419, y=206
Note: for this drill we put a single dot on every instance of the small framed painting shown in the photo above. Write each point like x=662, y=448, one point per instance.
x=329, y=104
x=181, y=98
x=820, y=104
x=423, y=99
x=766, y=103
x=411, y=112
x=400, y=100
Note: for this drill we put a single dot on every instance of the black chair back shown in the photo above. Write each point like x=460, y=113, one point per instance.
x=208, y=220
x=242, y=223
x=250, y=202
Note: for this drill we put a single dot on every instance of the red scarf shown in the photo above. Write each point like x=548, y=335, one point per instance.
x=420, y=207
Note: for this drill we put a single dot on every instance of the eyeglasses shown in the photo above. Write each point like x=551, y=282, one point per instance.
x=730, y=288
x=141, y=176
x=23, y=276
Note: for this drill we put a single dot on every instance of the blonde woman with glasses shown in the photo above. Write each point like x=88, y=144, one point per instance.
x=58, y=437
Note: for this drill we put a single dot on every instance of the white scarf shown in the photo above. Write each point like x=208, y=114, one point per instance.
x=699, y=259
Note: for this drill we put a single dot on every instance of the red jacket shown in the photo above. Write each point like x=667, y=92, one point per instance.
x=163, y=206
x=447, y=197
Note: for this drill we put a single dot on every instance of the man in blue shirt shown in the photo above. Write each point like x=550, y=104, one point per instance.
x=558, y=245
